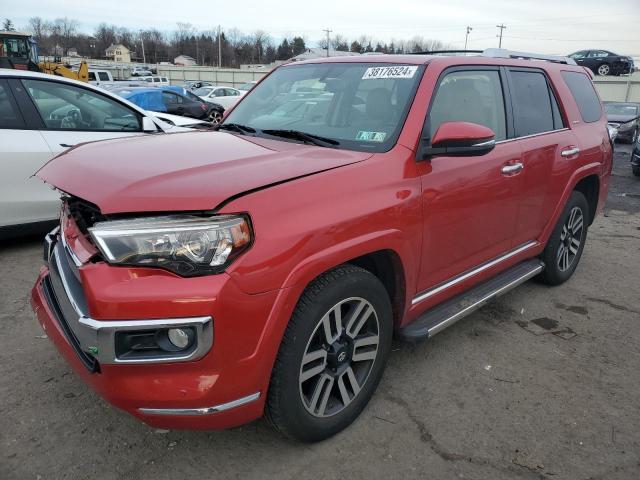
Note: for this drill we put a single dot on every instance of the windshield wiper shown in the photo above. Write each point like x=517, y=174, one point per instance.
x=307, y=137
x=236, y=127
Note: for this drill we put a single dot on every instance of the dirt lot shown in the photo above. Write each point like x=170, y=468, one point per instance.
x=544, y=383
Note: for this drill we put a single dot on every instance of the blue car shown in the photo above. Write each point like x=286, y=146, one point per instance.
x=172, y=100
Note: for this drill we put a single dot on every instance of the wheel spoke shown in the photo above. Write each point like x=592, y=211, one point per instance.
x=566, y=258
x=351, y=383
x=563, y=235
x=575, y=244
x=321, y=392
x=319, y=360
x=577, y=225
x=332, y=324
x=369, y=353
x=358, y=319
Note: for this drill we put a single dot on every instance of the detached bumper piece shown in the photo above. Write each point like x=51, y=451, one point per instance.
x=99, y=342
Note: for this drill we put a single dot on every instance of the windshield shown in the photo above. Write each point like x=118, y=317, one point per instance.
x=202, y=92
x=360, y=105
x=618, y=109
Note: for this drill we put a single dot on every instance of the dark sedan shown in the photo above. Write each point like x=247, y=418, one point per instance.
x=603, y=62
x=166, y=99
x=624, y=118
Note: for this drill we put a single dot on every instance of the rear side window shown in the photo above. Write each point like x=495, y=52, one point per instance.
x=584, y=95
x=104, y=76
x=534, y=105
x=9, y=115
x=470, y=96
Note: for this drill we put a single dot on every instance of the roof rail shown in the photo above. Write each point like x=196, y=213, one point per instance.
x=440, y=52
x=503, y=53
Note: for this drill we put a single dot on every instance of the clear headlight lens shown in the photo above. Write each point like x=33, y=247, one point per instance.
x=185, y=244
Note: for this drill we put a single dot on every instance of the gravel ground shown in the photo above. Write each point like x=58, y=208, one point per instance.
x=542, y=384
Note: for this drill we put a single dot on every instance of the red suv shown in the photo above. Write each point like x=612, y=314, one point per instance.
x=202, y=280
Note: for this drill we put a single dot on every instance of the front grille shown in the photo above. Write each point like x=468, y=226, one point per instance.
x=84, y=213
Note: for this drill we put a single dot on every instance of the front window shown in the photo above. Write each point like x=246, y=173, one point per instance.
x=620, y=109
x=361, y=106
x=202, y=92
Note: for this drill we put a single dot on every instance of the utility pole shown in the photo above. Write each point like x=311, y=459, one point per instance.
x=501, y=27
x=219, y=49
x=144, y=58
x=327, y=31
x=466, y=37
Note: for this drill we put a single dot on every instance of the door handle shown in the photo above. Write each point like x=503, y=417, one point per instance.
x=66, y=145
x=512, y=169
x=570, y=152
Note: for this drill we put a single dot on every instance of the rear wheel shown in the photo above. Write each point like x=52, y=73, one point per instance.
x=636, y=170
x=332, y=355
x=564, y=248
x=215, y=116
x=604, y=69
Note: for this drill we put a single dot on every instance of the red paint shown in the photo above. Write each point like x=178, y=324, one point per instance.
x=319, y=208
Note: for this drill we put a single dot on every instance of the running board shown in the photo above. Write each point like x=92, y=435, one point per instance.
x=449, y=312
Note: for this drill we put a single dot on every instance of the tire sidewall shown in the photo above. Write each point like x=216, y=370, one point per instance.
x=301, y=424
x=552, y=273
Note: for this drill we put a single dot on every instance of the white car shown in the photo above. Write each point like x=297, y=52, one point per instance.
x=225, y=96
x=43, y=115
x=155, y=81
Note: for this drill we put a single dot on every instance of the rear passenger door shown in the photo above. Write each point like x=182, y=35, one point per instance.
x=546, y=145
x=468, y=202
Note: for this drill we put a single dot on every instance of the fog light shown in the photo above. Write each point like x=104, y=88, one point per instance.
x=178, y=337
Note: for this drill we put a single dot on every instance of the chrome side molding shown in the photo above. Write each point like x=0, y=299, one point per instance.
x=203, y=410
x=464, y=276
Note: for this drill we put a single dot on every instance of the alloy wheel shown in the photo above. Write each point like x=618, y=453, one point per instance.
x=339, y=357
x=603, y=69
x=215, y=117
x=570, y=239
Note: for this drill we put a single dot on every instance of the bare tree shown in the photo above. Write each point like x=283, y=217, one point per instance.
x=66, y=28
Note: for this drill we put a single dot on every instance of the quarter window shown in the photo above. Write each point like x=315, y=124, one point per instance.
x=584, y=95
x=534, y=105
x=9, y=115
x=67, y=107
x=470, y=96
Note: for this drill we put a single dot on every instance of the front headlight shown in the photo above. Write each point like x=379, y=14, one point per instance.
x=627, y=126
x=185, y=244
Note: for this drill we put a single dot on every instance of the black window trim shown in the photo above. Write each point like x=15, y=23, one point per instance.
x=425, y=139
x=13, y=101
x=552, y=92
x=40, y=122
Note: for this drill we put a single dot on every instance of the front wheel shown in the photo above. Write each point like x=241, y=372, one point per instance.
x=332, y=355
x=564, y=248
x=604, y=69
x=215, y=116
x=636, y=170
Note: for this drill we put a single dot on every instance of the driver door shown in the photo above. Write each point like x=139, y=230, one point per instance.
x=67, y=115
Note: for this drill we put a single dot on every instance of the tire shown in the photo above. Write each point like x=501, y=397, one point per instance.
x=604, y=70
x=309, y=366
x=636, y=170
x=214, y=116
x=561, y=254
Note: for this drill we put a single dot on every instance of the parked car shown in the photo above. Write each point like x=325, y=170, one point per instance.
x=195, y=84
x=156, y=80
x=635, y=158
x=141, y=72
x=225, y=96
x=245, y=87
x=41, y=116
x=100, y=77
x=216, y=111
x=623, y=116
x=169, y=101
x=603, y=62
x=264, y=268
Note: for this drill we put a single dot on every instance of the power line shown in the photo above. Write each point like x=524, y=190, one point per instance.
x=466, y=37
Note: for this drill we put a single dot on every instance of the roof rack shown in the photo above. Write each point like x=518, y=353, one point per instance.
x=503, y=53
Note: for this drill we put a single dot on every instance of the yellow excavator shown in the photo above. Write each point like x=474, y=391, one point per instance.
x=19, y=51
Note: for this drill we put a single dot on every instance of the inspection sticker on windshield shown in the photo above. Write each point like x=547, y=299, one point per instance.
x=371, y=136
x=399, y=71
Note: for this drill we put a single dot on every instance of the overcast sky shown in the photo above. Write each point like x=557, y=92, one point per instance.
x=545, y=26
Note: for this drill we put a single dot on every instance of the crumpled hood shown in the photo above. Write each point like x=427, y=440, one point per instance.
x=184, y=171
x=620, y=118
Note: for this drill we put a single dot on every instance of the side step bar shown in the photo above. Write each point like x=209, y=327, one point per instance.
x=449, y=312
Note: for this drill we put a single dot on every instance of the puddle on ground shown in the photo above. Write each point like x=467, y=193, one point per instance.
x=545, y=325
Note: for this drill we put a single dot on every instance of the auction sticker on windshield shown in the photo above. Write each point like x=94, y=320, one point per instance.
x=371, y=136
x=399, y=71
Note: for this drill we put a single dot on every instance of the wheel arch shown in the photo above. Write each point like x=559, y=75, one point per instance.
x=589, y=186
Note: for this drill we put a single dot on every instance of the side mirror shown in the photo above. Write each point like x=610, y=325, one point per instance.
x=148, y=125
x=461, y=139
